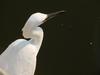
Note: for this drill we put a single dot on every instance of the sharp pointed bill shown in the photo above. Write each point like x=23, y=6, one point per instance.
x=52, y=15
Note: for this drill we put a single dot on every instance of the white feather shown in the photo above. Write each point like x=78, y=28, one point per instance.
x=20, y=56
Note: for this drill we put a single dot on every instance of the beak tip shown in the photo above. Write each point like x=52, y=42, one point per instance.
x=63, y=11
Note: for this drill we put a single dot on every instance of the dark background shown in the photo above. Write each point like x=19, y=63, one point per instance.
x=71, y=40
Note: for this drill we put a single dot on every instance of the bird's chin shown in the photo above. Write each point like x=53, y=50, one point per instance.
x=38, y=24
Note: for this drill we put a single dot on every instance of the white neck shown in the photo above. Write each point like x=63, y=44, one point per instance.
x=37, y=36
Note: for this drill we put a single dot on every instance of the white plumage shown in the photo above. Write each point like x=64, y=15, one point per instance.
x=20, y=56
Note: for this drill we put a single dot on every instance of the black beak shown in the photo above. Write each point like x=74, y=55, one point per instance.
x=51, y=15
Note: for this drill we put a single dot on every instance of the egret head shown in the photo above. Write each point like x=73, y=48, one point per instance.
x=35, y=20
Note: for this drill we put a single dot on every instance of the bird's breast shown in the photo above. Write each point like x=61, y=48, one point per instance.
x=19, y=58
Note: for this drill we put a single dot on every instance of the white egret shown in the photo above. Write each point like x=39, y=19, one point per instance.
x=20, y=56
